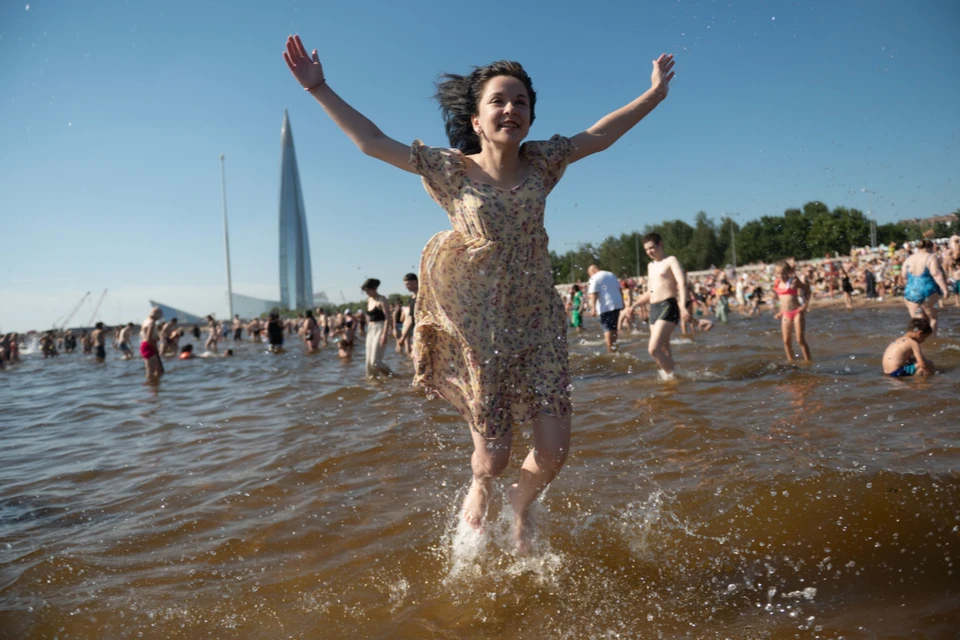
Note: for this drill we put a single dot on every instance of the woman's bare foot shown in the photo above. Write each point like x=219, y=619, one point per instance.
x=475, y=504
x=522, y=532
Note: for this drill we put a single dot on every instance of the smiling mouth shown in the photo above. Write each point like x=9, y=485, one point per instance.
x=509, y=124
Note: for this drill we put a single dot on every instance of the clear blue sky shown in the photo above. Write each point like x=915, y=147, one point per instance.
x=113, y=115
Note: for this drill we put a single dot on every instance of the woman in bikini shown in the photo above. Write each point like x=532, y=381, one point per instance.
x=792, y=313
x=925, y=284
x=311, y=332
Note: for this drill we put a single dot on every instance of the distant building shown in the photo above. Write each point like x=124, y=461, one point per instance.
x=249, y=307
x=169, y=313
x=296, y=271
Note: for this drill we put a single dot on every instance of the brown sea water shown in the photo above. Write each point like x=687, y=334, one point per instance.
x=270, y=496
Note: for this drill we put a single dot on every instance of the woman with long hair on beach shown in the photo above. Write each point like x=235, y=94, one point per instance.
x=792, y=313
x=491, y=327
x=925, y=284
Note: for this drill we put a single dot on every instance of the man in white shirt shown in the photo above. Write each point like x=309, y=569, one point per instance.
x=605, y=300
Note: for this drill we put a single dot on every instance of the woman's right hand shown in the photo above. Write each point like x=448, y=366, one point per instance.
x=305, y=68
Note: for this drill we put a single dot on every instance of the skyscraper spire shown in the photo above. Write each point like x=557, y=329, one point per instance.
x=296, y=271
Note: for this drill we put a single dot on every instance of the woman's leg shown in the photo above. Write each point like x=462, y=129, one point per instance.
x=551, y=437
x=930, y=308
x=786, y=328
x=489, y=459
x=800, y=325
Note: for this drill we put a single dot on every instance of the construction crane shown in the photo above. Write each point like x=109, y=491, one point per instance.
x=72, y=312
x=97, y=308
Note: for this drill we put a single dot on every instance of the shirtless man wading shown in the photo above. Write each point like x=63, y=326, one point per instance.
x=149, y=336
x=667, y=284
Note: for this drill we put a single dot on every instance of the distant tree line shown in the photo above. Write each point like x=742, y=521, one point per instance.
x=812, y=231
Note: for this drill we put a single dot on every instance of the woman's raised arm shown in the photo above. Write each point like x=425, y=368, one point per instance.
x=612, y=126
x=367, y=136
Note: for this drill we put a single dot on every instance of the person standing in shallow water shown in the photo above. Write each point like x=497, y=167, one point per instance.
x=491, y=328
x=213, y=335
x=667, y=286
x=149, y=339
x=378, y=312
x=792, y=314
x=99, y=338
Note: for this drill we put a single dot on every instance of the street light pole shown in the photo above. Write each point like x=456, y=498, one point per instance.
x=733, y=242
x=873, y=220
x=226, y=237
x=636, y=246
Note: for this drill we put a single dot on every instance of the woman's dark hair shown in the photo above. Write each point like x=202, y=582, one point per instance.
x=308, y=314
x=459, y=98
x=926, y=244
x=370, y=283
x=576, y=288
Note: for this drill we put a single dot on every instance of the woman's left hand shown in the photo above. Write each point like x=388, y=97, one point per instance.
x=662, y=74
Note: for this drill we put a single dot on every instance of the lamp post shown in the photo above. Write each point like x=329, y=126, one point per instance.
x=873, y=221
x=226, y=238
x=636, y=248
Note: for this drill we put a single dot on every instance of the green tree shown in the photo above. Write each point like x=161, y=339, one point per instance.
x=726, y=233
x=702, y=249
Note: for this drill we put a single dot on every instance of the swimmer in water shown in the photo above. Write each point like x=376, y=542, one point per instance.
x=667, y=283
x=347, y=331
x=275, y=332
x=99, y=337
x=123, y=341
x=149, y=341
x=214, y=336
x=186, y=353
x=925, y=284
x=792, y=314
x=311, y=332
x=904, y=357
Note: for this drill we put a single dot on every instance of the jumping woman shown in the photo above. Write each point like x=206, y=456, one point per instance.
x=491, y=328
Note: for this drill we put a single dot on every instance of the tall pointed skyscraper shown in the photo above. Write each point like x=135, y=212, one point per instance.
x=296, y=272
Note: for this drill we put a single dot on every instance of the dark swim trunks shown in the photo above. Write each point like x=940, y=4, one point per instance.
x=904, y=371
x=667, y=310
x=101, y=352
x=609, y=319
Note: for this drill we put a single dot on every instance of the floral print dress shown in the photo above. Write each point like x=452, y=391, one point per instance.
x=491, y=327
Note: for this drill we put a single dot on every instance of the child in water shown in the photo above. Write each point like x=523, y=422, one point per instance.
x=904, y=357
x=792, y=314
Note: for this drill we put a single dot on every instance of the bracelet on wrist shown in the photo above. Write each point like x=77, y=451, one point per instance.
x=319, y=84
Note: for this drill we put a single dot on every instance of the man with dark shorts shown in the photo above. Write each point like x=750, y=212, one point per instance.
x=409, y=318
x=607, y=301
x=667, y=282
x=99, y=342
x=237, y=328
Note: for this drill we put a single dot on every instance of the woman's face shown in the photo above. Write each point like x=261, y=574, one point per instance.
x=503, y=115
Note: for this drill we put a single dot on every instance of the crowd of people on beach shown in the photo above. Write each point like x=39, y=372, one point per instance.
x=169, y=338
x=924, y=273
x=786, y=288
